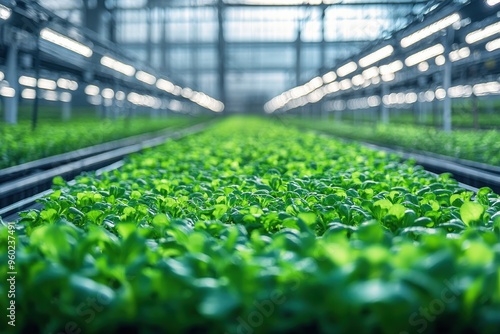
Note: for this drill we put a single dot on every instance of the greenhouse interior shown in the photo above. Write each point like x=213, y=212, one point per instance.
x=250, y=166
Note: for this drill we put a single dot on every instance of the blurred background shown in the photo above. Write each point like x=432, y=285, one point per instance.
x=243, y=52
x=191, y=56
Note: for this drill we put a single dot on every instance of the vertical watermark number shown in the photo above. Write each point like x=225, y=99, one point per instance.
x=11, y=274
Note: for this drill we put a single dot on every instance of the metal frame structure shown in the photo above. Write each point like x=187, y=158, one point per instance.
x=450, y=52
x=217, y=63
x=47, y=57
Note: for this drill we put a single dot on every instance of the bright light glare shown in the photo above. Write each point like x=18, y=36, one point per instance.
x=345, y=84
x=483, y=33
x=429, y=30
x=492, y=87
x=27, y=81
x=346, y=69
x=5, y=12
x=108, y=93
x=358, y=80
x=371, y=72
x=92, y=90
x=425, y=54
x=284, y=2
x=459, y=54
x=440, y=60
x=65, y=97
x=120, y=95
x=28, y=94
x=47, y=84
x=145, y=77
x=6, y=91
x=388, y=77
x=118, y=66
x=66, y=42
x=376, y=56
x=440, y=94
x=391, y=68
x=187, y=92
x=50, y=95
x=329, y=77
x=67, y=84
x=165, y=85
x=423, y=66
x=493, y=45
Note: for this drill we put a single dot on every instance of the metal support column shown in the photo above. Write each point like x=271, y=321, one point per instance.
x=475, y=112
x=66, y=111
x=337, y=116
x=94, y=16
x=164, y=61
x=112, y=25
x=384, y=111
x=447, y=81
x=149, y=40
x=11, y=103
x=421, y=108
x=298, y=46
x=194, y=32
x=221, y=52
x=323, y=39
x=36, y=102
x=324, y=111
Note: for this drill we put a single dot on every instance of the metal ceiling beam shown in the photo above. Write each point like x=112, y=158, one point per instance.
x=349, y=4
x=221, y=51
x=165, y=4
x=251, y=45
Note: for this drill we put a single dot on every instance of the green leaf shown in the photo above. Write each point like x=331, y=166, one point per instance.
x=85, y=287
x=49, y=215
x=307, y=217
x=125, y=229
x=135, y=194
x=160, y=220
x=94, y=216
x=218, y=303
x=397, y=210
x=58, y=181
x=220, y=210
x=471, y=212
x=409, y=218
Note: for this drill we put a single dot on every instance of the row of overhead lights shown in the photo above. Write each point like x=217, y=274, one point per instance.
x=288, y=2
x=107, y=61
x=106, y=96
x=386, y=72
x=48, y=84
x=49, y=95
x=163, y=84
x=47, y=87
x=319, y=87
x=197, y=97
x=138, y=100
x=5, y=89
x=402, y=98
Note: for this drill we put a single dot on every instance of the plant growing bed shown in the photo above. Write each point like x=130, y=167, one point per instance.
x=479, y=146
x=19, y=144
x=253, y=227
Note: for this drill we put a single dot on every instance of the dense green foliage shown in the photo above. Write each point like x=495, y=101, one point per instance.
x=19, y=144
x=253, y=227
x=462, y=115
x=480, y=146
